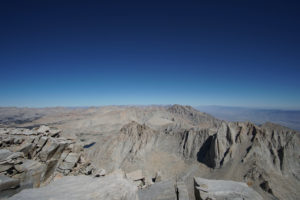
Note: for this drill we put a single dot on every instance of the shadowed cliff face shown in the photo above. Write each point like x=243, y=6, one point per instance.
x=180, y=143
x=250, y=153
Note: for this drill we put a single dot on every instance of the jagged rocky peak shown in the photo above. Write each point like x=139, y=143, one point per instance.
x=246, y=142
x=176, y=108
x=256, y=153
x=194, y=144
x=137, y=136
x=186, y=111
x=193, y=116
x=135, y=128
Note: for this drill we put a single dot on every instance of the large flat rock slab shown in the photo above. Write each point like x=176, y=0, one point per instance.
x=112, y=187
x=182, y=191
x=223, y=190
x=8, y=183
x=164, y=190
x=4, y=154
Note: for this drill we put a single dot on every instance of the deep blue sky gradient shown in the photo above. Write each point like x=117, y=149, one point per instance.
x=82, y=53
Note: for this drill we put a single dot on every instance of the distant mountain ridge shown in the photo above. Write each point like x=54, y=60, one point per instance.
x=288, y=118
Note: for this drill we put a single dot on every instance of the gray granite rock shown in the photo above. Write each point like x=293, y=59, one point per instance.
x=33, y=172
x=43, y=129
x=99, y=172
x=4, y=167
x=49, y=149
x=33, y=159
x=8, y=183
x=54, y=132
x=27, y=149
x=22, y=131
x=70, y=161
x=135, y=175
x=164, y=190
x=182, y=191
x=206, y=189
x=4, y=153
x=113, y=187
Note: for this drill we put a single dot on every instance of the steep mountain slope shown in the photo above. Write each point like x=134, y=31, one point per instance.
x=266, y=156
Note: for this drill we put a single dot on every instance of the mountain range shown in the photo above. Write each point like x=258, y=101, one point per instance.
x=163, y=146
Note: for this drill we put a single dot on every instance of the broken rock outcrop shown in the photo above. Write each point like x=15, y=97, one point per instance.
x=34, y=157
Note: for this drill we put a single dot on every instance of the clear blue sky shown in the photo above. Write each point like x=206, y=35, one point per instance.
x=82, y=53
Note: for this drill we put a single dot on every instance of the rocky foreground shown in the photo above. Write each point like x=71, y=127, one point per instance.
x=175, y=153
x=32, y=158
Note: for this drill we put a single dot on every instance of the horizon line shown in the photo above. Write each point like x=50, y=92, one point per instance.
x=279, y=108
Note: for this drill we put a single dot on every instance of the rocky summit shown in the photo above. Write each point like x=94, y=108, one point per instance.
x=144, y=153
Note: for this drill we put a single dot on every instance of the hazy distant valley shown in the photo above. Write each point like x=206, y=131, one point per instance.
x=151, y=152
x=288, y=118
